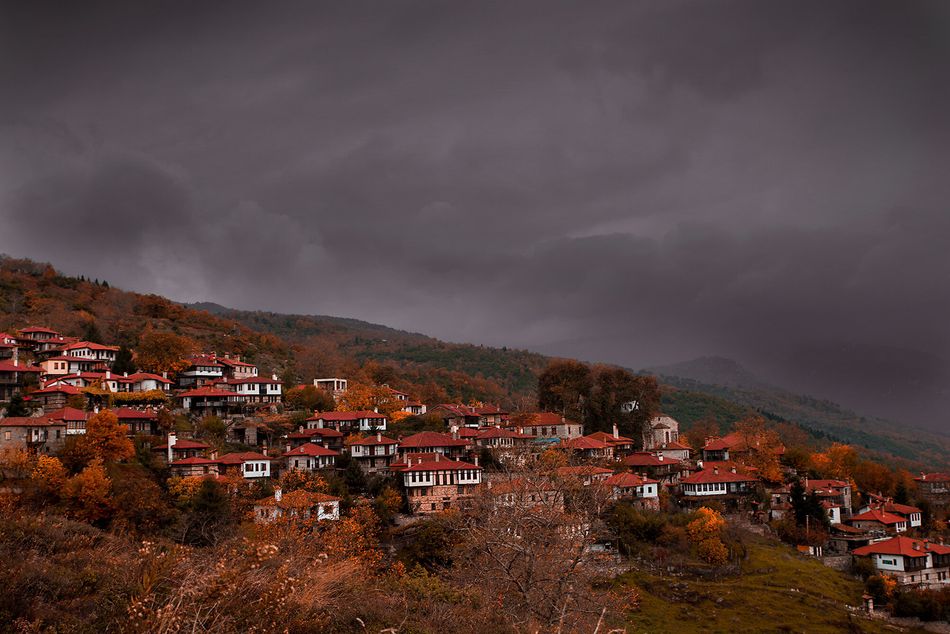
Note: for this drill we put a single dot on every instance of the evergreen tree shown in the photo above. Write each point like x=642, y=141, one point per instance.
x=91, y=332
x=123, y=361
x=17, y=406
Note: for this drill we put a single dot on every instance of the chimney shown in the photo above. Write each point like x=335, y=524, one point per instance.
x=172, y=439
x=699, y=463
x=379, y=436
x=376, y=410
x=660, y=457
x=716, y=470
x=437, y=454
x=277, y=494
x=476, y=460
x=923, y=476
x=288, y=447
x=916, y=545
x=108, y=375
x=16, y=357
x=273, y=377
x=264, y=450
x=616, y=433
x=125, y=374
x=733, y=469
x=164, y=374
x=213, y=455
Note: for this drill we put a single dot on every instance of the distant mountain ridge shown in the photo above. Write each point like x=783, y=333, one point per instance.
x=727, y=379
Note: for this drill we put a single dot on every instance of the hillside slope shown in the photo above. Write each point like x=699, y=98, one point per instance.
x=727, y=380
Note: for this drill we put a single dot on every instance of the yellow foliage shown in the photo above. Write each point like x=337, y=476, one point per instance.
x=355, y=537
x=713, y=551
x=184, y=489
x=49, y=474
x=708, y=524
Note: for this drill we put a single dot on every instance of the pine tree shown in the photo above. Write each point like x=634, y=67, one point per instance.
x=17, y=406
x=123, y=361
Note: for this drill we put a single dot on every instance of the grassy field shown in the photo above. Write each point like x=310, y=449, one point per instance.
x=779, y=591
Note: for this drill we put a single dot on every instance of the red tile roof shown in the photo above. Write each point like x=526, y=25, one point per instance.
x=539, y=419
x=324, y=432
x=584, y=443
x=610, y=439
x=209, y=392
x=183, y=443
x=874, y=515
x=441, y=464
x=375, y=440
x=69, y=413
x=904, y=546
x=430, y=439
x=30, y=421
x=193, y=460
x=709, y=476
x=126, y=413
x=346, y=416
x=646, y=459
x=933, y=477
x=627, y=479
x=79, y=345
x=311, y=449
x=240, y=457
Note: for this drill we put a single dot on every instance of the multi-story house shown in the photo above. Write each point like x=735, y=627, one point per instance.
x=310, y=457
x=629, y=487
x=934, y=487
x=662, y=430
x=257, y=389
x=547, y=425
x=657, y=467
x=202, y=370
x=234, y=368
x=329, y=438
x=347, y=422
x=911, y=562
x=715, y=483
x=336, y=387
x=877, y=521
x=36, y=434
x=434, y=442
x=374, y=453
x=13, y=377
x=248, y=464
x=297, y=505
x=836, y=492
x=434, y=483
x=91, y=351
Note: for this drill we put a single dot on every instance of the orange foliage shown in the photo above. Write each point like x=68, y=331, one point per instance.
x=838, y=462
x=108, y=438
x=355, y=536
x=88, y=493
x=159, y=352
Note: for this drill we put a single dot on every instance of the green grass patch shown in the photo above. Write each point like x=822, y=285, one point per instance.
x=778, y=591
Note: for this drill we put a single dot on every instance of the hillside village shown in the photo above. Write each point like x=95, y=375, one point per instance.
x=191, y=447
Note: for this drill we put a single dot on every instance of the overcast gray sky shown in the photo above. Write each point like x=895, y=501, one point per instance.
x=634, y=182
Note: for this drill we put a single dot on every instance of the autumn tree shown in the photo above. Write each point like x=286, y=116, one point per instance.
x=837, y=462
x=88, y=493
x=159, y=352
x=706, y=427
x=705, y=531
x=564, y=386
x=108, y=438
x=49, y=476
x=362, y=396
x=761, y=447
x=309, y=398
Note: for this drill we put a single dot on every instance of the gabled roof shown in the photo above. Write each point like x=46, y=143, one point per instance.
x=539, y=419
x=311, y=449
x=441, y=464
x=79, y=345
x=38, y=329
x=709, y=476
x=903, y=546
x=813, y=485
x=646, y=459
x=901, y=509
x=626, y=479
x=430, y=439
x=375, y=439
x=346, y=416
x=63, y=388
x=324, y=432
x=6, y=366
x=875, y=515
x=240, y=457
x=584, y=443
x=68, y=413
x=30, y=421
x=610, y=439
x=673, y=444
x=933, y=477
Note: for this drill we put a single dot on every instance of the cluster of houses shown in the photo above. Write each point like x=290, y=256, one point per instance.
x=437, y=470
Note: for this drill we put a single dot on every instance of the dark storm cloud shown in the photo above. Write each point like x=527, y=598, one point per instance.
x=631, y=182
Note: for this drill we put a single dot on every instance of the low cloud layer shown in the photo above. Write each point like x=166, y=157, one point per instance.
x=639, y=183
